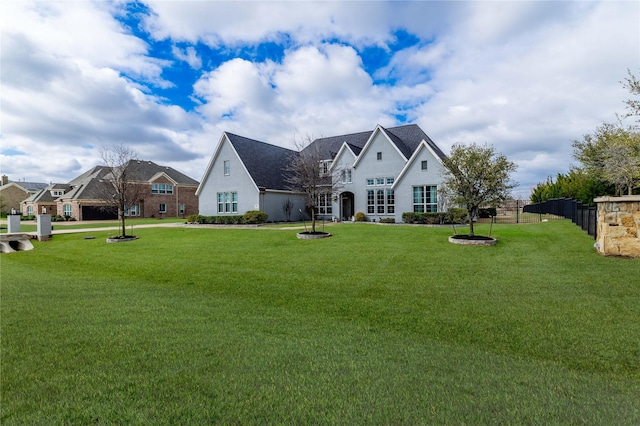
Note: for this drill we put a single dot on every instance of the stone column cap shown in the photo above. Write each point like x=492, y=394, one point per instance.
x=608, y=199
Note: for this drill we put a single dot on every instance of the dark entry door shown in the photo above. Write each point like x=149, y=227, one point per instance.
x=346, y=201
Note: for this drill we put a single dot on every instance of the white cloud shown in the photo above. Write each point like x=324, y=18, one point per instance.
x=188, y=55
x=527, y=77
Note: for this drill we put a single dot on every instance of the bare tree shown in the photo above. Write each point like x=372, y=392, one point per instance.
x=311, y=174
x=119, y=192
x=476, y=176
x=287, y=208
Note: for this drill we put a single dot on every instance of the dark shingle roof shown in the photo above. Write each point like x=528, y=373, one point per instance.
x=407, y=138
x=330, y=146
x=266, y=163
x=143, y=171
x=30, y=186
x=88, y=185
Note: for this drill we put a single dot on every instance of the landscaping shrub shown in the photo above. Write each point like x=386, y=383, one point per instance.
x=485, y=213
x=194, y=218
x=361, y=217
x=215, y=220
x=429, y=218
x=456, y=215
x=254, y=217
x=453, y=215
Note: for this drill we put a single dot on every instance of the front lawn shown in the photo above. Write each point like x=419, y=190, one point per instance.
x=376, y=325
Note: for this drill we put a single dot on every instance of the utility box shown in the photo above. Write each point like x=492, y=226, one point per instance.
x=44, y=227
x=13, y=223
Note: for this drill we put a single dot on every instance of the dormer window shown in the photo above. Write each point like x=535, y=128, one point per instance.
x=161, y=188
x=57, y=192
x=325, y=165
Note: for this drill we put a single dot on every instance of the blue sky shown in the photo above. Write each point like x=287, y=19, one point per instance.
x=168, y=77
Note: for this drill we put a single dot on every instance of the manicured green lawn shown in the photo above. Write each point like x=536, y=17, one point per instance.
x=376, y=325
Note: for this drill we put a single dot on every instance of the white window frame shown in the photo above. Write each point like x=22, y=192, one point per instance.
x=162, y=208
x=323, y=204
x=227, y=202
x=423, y=205
x=133, y=210
x=227, y=168
x=67, y=210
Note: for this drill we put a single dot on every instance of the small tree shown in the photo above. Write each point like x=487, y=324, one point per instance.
x=476, y=176
x=118, y=190
x=309, y=174
x=611, y=154
x=287, y=208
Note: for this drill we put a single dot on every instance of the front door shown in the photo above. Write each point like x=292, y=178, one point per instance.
x=346, y=205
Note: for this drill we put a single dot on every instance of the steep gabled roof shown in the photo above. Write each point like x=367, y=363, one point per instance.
x=330, y=146
x=265, y=163
x=44, y=195
x=407, y=138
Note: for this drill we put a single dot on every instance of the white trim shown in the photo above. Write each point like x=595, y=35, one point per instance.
x=345, y=146
x=380, y=129
x=160, y=174
x=224, y=138
x=416, y=153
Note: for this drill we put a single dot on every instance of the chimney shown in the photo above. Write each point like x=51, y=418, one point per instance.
x=5, y=180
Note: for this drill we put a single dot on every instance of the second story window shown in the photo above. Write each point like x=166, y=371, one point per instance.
x=227, y=168
x=379, y=156
x=325, y=165
x=162, y=188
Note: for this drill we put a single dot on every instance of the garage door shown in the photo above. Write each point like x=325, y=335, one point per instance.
x=96, y=213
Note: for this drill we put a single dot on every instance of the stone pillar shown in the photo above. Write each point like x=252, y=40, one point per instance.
x=44, y=227
x=13, y=223
x=619, y=226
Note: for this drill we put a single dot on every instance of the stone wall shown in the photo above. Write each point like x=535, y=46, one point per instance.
x=619, y=226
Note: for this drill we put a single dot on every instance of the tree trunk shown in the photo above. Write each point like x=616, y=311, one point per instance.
x=473, y=212
x=313, y=220
x=124, y=229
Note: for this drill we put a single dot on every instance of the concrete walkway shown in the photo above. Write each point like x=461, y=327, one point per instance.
x=63, y=229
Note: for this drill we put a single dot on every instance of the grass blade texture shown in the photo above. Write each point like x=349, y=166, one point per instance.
x=376, y=325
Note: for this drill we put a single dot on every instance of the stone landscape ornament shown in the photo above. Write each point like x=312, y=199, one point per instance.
x=472, y=240
x=307, y=235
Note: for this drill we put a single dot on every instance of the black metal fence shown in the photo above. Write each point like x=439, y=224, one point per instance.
x=513, y=211
x=583, y=215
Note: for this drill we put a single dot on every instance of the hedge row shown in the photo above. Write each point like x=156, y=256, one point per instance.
x=251, y=217
x=453, y=215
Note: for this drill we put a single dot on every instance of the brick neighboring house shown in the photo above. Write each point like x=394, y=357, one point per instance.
x=44, y=201
x=165, y=192
x=13, y=193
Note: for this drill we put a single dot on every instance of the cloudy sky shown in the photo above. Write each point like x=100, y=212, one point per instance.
x=168, y=77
